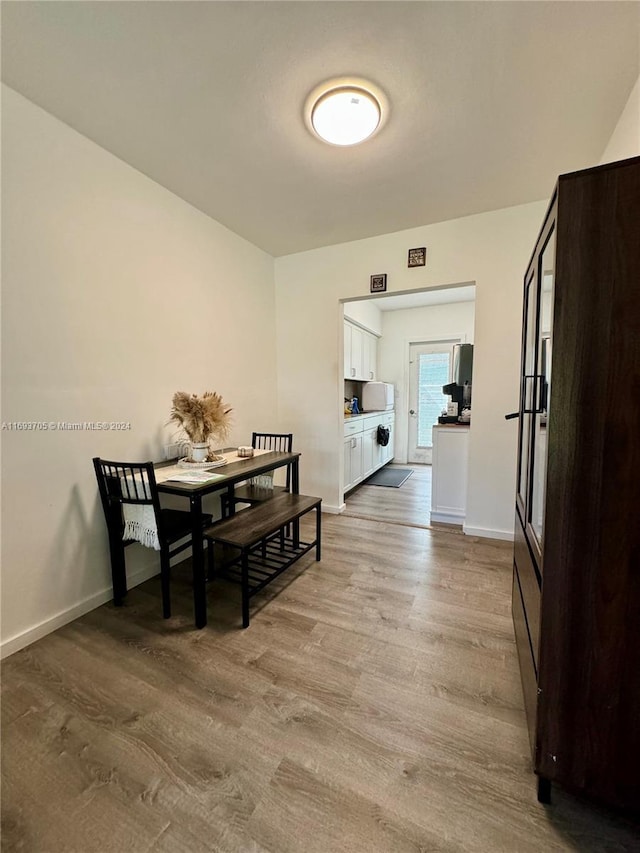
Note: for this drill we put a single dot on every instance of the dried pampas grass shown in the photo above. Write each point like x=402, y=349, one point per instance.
x=202, y=418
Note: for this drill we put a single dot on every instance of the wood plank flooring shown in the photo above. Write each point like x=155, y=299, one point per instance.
x=410, y=504
x=373, y=705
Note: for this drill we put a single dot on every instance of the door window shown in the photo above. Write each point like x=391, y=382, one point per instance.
x=434, y=369
x=429, y=369
x=542, y=390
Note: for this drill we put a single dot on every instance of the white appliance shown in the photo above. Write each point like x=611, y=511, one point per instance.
x=377, y=397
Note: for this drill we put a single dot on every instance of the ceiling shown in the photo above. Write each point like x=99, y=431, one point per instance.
x=444, y=295
x=489, y=102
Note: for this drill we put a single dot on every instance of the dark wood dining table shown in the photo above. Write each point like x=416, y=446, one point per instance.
x=230, y=475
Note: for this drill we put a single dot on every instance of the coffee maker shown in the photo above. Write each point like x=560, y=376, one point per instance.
x=460, y=389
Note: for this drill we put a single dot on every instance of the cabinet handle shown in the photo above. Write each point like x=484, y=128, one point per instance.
x=371, y=374
x=353, y=371
x=353, y=442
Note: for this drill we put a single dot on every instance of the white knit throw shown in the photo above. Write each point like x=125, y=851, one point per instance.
x=139, y=519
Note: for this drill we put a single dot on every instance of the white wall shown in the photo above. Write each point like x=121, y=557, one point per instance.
x=116, y=294
x=491, y=249
x=366, y=313
x=625, y=139
x=416, y=325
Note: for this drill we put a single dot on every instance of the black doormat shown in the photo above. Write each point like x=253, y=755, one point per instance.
x=393, y=477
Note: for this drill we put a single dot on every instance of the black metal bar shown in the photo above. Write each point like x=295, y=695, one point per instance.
x=295, y=488
x=318, y=531
x=245, y=589
x=197, y=562
x=118, y=566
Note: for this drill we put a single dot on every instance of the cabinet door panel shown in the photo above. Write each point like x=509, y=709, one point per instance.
x=388, y=450
x=347, y=351
x=529, y=586
x=369, y=444
x=357, y=340
x=371, y=357
x=527, y=669
x=356, y=459
x=347, y=463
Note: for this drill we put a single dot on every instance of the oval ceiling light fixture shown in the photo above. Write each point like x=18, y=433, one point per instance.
x=344, y=112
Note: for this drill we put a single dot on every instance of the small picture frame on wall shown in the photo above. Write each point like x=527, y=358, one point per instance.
x=379, y=283
x=417, y=257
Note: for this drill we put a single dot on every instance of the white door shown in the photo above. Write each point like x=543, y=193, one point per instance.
x=429, y=370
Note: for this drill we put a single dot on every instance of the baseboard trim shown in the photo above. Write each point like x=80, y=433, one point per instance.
x=332, y=510
x=25, y=638
x=447, y=518
x=488, y=533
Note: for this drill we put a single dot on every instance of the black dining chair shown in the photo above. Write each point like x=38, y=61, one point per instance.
x=133, y=484
x=253, y=492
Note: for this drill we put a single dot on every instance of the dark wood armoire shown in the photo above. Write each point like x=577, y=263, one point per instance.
x=576, y=579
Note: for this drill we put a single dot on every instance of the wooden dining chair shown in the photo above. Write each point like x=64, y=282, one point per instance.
x=253, y=492
x=133, y=484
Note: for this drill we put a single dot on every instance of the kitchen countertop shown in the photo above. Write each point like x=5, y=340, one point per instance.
x=368, y=414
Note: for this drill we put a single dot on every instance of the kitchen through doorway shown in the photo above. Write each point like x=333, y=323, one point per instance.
x=420, y=327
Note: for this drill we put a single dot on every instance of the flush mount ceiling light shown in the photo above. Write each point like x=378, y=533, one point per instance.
x=344, y=113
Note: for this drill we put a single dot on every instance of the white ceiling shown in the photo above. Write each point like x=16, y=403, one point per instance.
x=423, y=298
x=489, y=102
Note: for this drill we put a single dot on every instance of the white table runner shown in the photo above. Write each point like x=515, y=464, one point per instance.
x=140, y=520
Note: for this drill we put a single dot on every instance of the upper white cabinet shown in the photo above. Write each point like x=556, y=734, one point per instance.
x=347, y=350
x=360, y=353
x=369, y=357
x=357, y=352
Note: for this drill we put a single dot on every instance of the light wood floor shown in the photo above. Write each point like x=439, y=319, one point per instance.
x=409, y=504
x=373, y=705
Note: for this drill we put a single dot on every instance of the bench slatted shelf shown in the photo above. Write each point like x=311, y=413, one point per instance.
x=265, y=550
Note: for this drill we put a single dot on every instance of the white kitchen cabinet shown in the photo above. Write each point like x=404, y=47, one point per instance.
x=353, y=460
x=387, y=452
x=449, y=474
x=357, y=353
x=370, y=454
x=369, y=357
x=348, y=328
x=362, y=453
x=360, y=353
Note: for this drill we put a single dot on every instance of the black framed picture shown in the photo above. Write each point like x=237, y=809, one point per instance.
x=417, y=257
x=379, y=283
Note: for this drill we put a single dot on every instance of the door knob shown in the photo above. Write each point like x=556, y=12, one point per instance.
x=412, y=411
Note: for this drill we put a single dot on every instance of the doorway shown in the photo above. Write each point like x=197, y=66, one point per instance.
x=429, y=369
x=437, y=315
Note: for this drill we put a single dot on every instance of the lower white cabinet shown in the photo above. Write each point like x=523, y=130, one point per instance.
x=370, y=454
x=362, y=453
x=449, y=474
x=353, y=460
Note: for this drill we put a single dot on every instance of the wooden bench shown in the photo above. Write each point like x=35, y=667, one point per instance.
x=265, y=550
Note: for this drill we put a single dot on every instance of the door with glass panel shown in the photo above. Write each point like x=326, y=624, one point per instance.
x=535, y=393
x=429, y=370
x=542, y=393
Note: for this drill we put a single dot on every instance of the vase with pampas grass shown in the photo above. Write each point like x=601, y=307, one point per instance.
x=203, y=418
